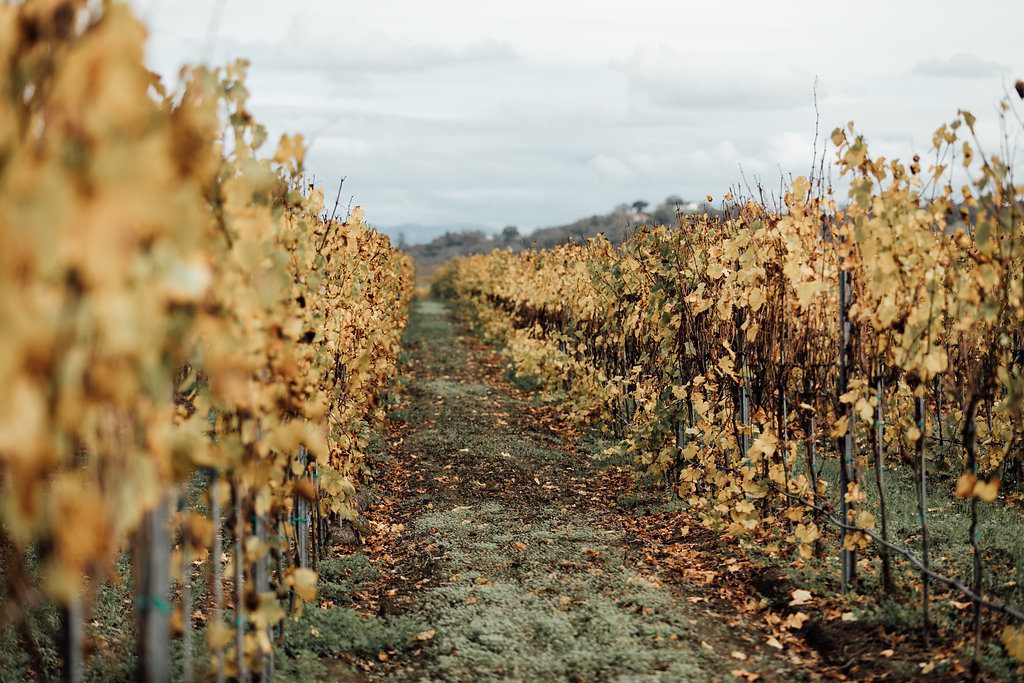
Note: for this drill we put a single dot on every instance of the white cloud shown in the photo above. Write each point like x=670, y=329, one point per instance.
x=611, y=168
x=701, y=80
x=354, y=51
x=458, y=112
x=793, y=149
x=961, y=65
x=699, y=157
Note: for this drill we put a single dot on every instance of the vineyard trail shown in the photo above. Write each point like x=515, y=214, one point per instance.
x=505, y=544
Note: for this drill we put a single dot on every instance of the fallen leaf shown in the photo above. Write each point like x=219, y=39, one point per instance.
x=800, y=597
x=795, y=621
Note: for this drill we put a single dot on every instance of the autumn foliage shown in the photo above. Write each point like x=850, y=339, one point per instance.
x=175, y=310
x=732, y=357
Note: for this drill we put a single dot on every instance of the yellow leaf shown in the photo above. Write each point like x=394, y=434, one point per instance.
x=304, y=583
x=934, y=362
x=1013, y=640
x=268, y=613
x=913, y=434
x=850, y=396
x=987, y=491
x=865, y=410
x=801, y=187
x=865, y=520
x=965, y=485
x=755, y=490
x=807, y=533
x=291, y=151
x=756, y=299
x=856, y=155
x=218, y=635
x=763, y=445
x=795, y=621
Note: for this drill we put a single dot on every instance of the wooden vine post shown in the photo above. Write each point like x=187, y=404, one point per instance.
x=847, y=557
x=879, y=439
x=922, y=509
x=186, y=591
x=261, y=584
x=72, y=637
x=152, y=552
x=302, y=516
x=216, y=578
x=240, y=613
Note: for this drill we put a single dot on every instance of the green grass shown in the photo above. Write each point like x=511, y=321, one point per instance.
x=341, y=577
x=110, y=627
x=523, y=382
x=506, y=615
x=330, y=632
x=1000, y=529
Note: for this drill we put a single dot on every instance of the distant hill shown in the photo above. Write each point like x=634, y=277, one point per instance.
x=421, y=232
x=616, y=225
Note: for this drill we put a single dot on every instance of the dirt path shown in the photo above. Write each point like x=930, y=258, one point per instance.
x=505, y=545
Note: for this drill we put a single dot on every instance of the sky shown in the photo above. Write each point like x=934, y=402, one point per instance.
x=451, y=114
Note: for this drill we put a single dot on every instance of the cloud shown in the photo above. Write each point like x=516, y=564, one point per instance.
x=358, y=51
x=961, y=65
x=611, y=167
x=694, y=80
x=791, y=149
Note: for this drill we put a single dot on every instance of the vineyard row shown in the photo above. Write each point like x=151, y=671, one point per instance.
x=194, y=346
x=777, y=367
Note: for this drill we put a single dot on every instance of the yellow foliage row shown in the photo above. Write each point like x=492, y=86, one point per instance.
x=170, y=302
x=711, y=348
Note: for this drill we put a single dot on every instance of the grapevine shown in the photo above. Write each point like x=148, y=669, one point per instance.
x=179, y=314
x=731, y=356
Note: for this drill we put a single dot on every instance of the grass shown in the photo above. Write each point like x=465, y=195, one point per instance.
x=341, y=577
x=111, y=635
x=520, y=589
x=328, y=633
x=1000, y=529
x=503, y=614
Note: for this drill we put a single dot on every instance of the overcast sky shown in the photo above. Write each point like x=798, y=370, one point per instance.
x=537, y=112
